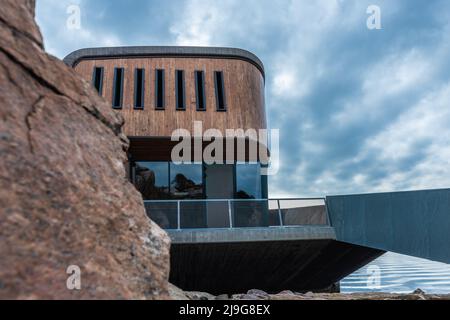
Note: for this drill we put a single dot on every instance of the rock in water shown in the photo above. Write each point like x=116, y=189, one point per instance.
x=64, y=197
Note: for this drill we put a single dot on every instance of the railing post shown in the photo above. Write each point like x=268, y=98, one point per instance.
x=178, y=216
x=280, y=216
x=230, y=216
x=327, y=213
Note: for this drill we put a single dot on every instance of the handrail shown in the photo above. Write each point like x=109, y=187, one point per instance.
x=231, y=212
x=233, y=200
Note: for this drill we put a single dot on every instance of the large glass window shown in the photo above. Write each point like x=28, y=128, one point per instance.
x=164, y=180
x=152, y=180
x=248, y=181
x=186, y=181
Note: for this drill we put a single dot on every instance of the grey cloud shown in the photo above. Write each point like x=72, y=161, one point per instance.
x=333, y=65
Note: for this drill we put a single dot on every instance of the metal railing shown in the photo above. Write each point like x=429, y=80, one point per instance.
x=237, y=213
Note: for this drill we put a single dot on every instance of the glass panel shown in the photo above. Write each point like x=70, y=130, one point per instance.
x=274, y=216
x=163, y=214
x=248, y=180
x=220, y=91
x=97, y=79
x=139, y=80
x=217, y=214
x=200, y=90
x=193, y=215
x=250, y=214
x=186, y=181
x=303, y=212
x=201, y=214
x=118, y=88
x=159, y=88
x=152, y=180
x=179, y=89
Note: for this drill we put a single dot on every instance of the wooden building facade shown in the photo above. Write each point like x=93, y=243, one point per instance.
x=162, y=89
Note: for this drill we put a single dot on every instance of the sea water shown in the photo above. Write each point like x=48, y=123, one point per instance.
x=399, y=274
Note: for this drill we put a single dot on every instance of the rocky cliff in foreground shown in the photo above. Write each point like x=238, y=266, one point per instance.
x=64, y=197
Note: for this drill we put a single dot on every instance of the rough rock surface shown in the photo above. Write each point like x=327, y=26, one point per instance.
x=64, y=197
x=178, y=294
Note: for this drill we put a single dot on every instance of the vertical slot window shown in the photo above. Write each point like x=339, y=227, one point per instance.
x=159, y=89
x=220, y=91
x=200, y=90
x=179, y=90
x=118, y=88
x=97, y=79
x=139, y=85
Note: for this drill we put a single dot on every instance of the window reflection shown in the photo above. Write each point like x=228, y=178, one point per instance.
x=164, y=180
x=248, y=181
x=186, y=181
x=151, y=179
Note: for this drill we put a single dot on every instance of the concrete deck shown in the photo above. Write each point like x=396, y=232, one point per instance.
x=252, y=234
x=271, y=259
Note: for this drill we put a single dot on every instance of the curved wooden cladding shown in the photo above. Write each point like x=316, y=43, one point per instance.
x=244, y=90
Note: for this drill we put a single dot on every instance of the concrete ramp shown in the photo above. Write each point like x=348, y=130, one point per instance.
x=415, y=223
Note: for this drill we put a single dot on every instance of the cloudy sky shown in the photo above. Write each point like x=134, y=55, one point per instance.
x=358, y=110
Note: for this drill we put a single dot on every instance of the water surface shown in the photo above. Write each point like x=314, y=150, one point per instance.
x=399, y=274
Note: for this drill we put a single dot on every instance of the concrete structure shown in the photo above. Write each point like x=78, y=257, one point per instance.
x=271, y=259
x=415, y=223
